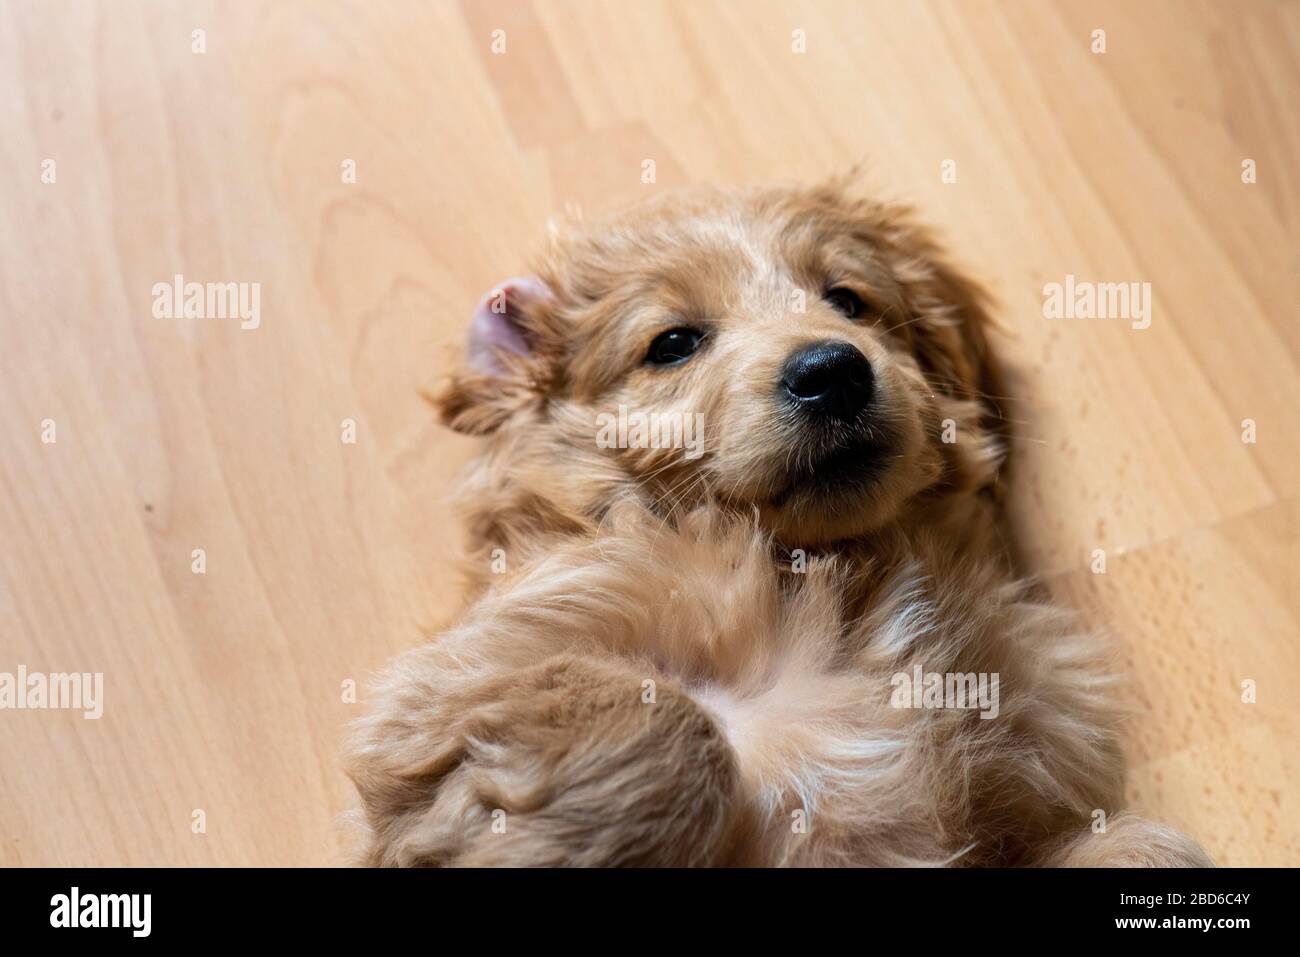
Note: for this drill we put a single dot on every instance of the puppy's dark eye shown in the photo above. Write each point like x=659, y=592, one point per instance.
x=675, y=345
x=845, y=301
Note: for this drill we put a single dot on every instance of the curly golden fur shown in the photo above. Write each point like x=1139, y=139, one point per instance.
x=693, y=660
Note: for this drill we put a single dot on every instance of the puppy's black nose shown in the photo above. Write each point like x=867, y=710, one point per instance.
x=829, y=378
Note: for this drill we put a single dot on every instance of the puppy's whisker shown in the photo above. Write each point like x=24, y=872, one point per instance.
x=938, y=383
x=907, y=322
x=694, y=481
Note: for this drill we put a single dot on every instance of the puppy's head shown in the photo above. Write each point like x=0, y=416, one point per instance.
x=798, y=352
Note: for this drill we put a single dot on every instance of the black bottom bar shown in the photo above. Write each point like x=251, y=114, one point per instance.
x=330, y=907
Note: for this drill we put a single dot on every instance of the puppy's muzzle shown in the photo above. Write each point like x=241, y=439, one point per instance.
x=828, y=379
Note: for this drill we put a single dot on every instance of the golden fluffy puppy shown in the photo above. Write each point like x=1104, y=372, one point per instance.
x=742, y=471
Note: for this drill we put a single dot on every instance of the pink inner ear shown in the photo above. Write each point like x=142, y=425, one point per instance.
x=500, y=323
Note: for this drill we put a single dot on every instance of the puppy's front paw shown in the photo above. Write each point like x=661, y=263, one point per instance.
x=1129, y=841
x=562, y=763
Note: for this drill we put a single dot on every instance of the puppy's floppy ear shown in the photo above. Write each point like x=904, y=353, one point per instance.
x=511, y=355
x=949, y=325
x=947, y=329
x=947, y=321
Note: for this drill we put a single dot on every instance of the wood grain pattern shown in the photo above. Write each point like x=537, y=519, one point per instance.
x=223, y=690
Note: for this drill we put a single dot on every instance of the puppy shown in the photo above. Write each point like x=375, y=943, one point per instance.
x=796, y=638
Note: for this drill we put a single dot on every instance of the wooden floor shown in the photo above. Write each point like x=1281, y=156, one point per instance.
x=225, y=692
